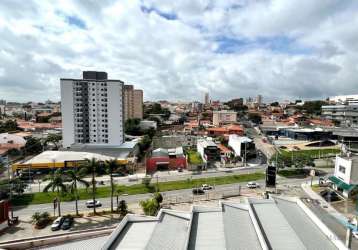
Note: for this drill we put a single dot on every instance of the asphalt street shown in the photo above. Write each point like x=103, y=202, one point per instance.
x=25, y=212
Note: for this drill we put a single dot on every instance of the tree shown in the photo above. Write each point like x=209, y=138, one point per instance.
x=41, y=220
x=145, y=143
x=122, y=208
x=150, y=206
x=54, y=139
x=76, y=177
x=92, y=166
x=255, y=118
x=274, y=104
x=131, y=127
x=18, y=186
x=8, y=126
x=111, y=166
x=56, y=183
x=33, y=146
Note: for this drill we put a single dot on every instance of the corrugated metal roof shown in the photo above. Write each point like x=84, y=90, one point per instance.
x=135, y=235
x=174, y=228
x=239, y=229
x=88, y=244
x=279, y=232
x=304, y=227
x=207, y=231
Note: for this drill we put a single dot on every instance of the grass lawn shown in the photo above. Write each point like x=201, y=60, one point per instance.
x=292, y=172
x=315, y=153
x=101, y=192
x=194, y=157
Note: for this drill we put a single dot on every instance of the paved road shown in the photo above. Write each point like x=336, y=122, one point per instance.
x=165, y=176
x=25, y=212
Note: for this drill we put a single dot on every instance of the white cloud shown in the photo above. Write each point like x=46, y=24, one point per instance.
x=280, y=49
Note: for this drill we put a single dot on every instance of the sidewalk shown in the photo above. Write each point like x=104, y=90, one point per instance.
x=324, y=204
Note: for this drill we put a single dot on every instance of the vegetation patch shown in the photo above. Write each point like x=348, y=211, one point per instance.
x=194, y=157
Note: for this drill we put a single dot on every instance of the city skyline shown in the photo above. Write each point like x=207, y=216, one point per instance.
x=227, y=49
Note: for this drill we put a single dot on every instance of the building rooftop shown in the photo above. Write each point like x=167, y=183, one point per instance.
x=275, y=223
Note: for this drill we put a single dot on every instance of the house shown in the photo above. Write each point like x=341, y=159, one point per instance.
x=345, y=178
x=166, y=159
x=222, y=131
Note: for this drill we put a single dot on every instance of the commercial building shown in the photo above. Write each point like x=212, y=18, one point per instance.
x=166, y=159
x=275, y=223
x=224, y=117
x=124, y=154
x=92, y=110
x=259, y=99
x=133, y=102
x=242, y=146
x=208, y=150
x=345, y=115
x=345, y=179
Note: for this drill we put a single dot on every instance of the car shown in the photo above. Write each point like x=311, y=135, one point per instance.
x=206, y=187
x=197, y=191
x=180, y=170
x=252, y=184
x=117, y=174
x=90, y=204
x=56, y=225
x=132, y=178
x=67, y=223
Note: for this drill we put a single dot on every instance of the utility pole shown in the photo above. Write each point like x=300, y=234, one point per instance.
x=10, y=184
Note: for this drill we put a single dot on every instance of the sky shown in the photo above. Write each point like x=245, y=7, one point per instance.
x=178, y=50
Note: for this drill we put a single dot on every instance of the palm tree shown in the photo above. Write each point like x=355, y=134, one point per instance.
x=92, y=166
x=111, y=166
x=76, y=177
x=56, y=183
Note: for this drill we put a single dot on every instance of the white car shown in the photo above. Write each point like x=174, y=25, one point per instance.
x=252, y=184
x=206, y=187
x=91, y=204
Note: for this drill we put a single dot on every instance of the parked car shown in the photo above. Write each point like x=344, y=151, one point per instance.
x=133, y=178
x=206, y=187
x=252, y=184
x=56, y=225
x=67, y=223
x=90, y=204
x=197, y=191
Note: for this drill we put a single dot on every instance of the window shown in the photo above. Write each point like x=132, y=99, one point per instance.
x=342, y=169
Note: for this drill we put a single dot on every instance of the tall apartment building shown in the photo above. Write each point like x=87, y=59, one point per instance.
x=133, y=102
x=206, y=99
x=92, y=110
x=224, y=117
x=346, y=115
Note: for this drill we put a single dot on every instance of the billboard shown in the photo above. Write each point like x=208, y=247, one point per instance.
x=271, y=176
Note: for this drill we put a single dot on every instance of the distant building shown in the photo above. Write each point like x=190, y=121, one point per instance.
x=133, y=102
x=146, y=124
x=345, y=179
x=206, y=99
x=224, y=117
x=209, y=151
x=345, y=115
x=344, y=99
x=221, y=131
x=92, y=110
x=259, y=99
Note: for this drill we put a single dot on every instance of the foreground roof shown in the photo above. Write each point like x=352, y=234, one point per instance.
x=275, y=223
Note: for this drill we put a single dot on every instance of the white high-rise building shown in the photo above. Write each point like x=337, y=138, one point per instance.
x=92, y=110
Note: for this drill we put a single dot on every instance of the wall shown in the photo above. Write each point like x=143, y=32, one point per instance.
x=115, y=113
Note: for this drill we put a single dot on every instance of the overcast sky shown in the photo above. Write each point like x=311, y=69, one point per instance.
x=177, y=50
